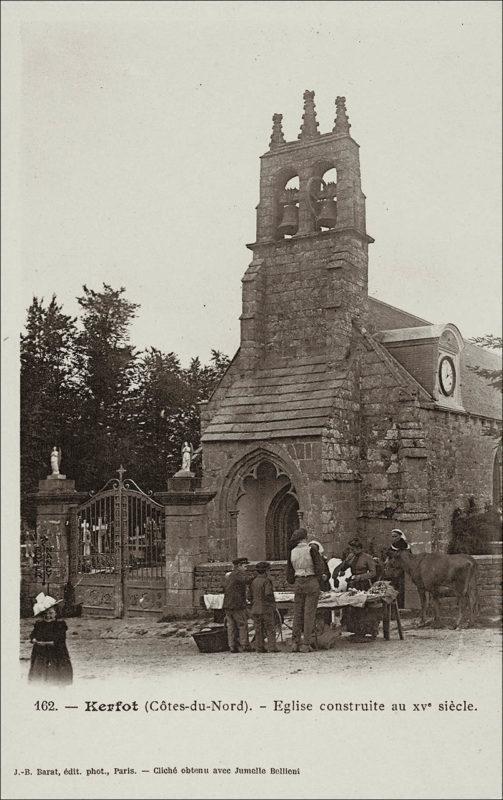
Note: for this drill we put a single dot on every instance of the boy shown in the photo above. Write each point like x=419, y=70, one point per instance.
x=263, y=609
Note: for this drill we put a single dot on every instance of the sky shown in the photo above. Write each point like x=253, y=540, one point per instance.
x=135, y=131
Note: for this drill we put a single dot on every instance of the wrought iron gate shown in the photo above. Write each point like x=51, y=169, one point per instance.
x=121, y=553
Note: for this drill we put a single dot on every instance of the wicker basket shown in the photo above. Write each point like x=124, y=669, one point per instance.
x=214, y=641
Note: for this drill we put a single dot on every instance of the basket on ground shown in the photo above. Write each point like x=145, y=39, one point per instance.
x=214, y=641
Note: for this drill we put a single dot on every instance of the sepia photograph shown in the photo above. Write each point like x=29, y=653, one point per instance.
x=251, y=399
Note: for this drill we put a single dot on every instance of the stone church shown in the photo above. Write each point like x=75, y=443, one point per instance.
x=338, y=411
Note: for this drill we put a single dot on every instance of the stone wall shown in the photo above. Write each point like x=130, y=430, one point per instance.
x=490, y=583
x=460, y=463
x=209, y=578
x=394, y=451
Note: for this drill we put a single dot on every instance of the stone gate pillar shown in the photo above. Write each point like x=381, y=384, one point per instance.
x=57, y=501
x=186, y=542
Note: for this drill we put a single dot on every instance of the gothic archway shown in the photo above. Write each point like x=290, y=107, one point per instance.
x=243, y=498
x=267, y=512
x=281, y=521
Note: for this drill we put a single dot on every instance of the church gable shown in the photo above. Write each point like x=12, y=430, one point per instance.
x=277, y=402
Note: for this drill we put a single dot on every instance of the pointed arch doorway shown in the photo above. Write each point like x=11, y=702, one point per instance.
x=267, y=513
x=281, y=520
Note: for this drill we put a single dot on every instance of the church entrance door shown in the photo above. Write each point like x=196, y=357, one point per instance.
x=282, y=519
x=267, y=515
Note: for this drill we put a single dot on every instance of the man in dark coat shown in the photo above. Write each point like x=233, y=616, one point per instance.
x=236, y=615
x=306, y=570
x=263, y=609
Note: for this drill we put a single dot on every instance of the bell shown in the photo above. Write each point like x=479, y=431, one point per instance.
x=328, y=214
x=290, y=223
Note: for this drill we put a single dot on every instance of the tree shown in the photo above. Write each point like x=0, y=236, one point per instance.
x=50, y=379
x=168, y=410
x=85, y=388
x=202, y=380
x=108, y=396
x=490, y=342
x=161, y=397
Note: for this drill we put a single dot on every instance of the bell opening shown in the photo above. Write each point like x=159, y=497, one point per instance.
x=288, y=211
x=289, y=224
x=326, y=218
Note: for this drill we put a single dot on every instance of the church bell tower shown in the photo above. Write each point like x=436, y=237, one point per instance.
x=307, y=282
x=280, y=430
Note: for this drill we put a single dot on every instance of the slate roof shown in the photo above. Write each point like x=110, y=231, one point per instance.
x=278, y=402
x=297, y=399
x=386, y=317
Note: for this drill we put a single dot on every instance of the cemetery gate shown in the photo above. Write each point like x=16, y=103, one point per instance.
x=121, y=552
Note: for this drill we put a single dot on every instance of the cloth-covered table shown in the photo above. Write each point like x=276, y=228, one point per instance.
x=327, y=599
x=335, y=600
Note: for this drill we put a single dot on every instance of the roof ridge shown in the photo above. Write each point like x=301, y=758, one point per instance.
x=401, y=310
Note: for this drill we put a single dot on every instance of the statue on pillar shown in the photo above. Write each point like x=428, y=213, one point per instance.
x=55, y=460
x=187, y=451
x=56, y=454
x=185, y=472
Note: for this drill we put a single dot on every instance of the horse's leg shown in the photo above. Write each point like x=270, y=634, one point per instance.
x=472, y=601
x=436, y=611
x=464, y=593
x=424, y=604
x=461, y=603
x=469, y=600
x=472, y=594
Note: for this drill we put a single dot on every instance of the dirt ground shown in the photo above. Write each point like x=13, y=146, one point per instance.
x=136, y=648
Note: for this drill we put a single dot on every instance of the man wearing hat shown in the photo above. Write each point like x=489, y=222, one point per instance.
x=263, y=609
x=236, y=615
x=305, y=569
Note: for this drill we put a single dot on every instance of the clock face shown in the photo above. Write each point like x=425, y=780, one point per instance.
x=447, y=375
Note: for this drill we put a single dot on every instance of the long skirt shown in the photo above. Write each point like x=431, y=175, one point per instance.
x=50, y=665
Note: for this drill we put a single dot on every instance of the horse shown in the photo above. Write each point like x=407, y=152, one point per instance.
x=438, y=575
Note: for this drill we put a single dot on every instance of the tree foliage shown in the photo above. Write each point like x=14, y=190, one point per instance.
x=493, y=376
x=85, y=388
x=108, y=391
x=50, y=378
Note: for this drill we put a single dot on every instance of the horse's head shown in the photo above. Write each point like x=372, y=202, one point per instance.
x=392, y=562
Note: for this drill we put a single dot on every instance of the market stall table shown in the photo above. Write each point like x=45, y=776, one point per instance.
x=332, y=600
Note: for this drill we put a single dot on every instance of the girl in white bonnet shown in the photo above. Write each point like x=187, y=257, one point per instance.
x=50, y=661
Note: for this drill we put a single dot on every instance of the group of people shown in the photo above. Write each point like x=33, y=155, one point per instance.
x=309, y=572
x=245, y=592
